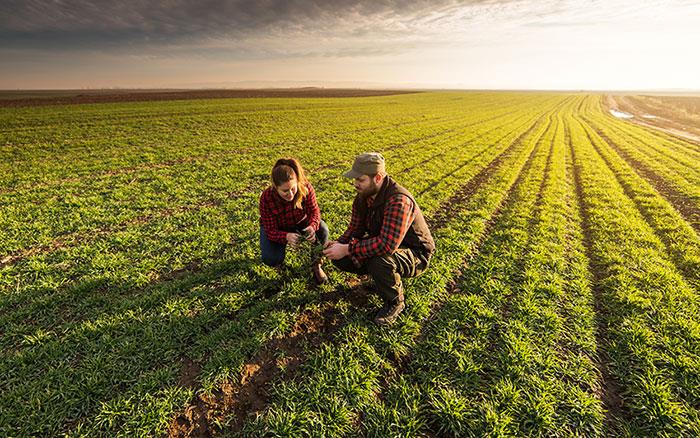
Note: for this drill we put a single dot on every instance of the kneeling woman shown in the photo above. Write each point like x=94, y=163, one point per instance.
x=288, y=208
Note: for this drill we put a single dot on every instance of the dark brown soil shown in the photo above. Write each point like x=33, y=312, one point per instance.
x=188, y=374
x=247, y=397
x=156, y=95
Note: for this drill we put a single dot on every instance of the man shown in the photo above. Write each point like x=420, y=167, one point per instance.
x=388, y=237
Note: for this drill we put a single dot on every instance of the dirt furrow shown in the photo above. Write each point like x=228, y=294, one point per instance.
x=238, y=400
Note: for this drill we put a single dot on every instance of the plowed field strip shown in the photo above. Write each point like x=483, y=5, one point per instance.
x=150, y=96
x=666, y=129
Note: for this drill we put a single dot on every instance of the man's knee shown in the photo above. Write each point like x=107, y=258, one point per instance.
x=380, y=265
x=345, y=264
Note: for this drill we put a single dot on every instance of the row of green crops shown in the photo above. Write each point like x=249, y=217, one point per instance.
x=560, y=300
x=648, y=310
x=672, y=165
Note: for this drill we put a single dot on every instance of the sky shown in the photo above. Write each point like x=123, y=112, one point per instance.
x=471, y=44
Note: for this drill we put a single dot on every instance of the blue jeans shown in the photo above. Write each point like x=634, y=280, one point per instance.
x=273, y=252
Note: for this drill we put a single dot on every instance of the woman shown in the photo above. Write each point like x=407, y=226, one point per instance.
x=288, y=212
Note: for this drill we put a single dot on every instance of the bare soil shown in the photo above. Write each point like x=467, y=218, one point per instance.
x=672, y=116
x=159, y=95
x=280, y=358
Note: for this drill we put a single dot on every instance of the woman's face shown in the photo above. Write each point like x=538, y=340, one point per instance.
x=287, y=190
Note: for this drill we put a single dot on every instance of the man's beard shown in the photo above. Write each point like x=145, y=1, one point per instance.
x=370, y=191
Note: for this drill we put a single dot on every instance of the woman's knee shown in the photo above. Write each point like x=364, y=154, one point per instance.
x=322, y=233
x=272, y=259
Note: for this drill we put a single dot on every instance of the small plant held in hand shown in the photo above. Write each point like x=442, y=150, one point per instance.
x=315, y=248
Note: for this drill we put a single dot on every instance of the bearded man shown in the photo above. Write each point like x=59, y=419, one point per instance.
x=387, y=238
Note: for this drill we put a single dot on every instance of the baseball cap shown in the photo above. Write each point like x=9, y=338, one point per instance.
x=369, y=163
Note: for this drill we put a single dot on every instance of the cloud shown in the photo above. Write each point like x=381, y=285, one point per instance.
x=91, y=24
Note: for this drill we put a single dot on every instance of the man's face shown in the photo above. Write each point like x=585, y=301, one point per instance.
x=366, y=186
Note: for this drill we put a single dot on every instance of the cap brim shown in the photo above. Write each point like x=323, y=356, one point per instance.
x=352, y=173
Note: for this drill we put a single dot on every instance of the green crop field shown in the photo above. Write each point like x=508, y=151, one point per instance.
x=563, y=298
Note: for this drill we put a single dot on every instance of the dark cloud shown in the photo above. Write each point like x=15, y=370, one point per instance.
x=105, y=24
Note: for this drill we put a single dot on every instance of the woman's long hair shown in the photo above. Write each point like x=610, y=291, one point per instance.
x=286, y=169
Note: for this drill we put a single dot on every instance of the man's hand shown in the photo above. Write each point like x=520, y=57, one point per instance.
x=310, y=234
x=293, y=239
x=336, y=251
x=330, y=243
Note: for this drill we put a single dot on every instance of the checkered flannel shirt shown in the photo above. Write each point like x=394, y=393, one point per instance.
x=399, y=213
x=279, y=217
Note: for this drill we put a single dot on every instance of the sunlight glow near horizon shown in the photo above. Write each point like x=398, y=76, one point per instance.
x=492, y=45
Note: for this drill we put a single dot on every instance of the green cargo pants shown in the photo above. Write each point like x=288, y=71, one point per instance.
x=387, y=271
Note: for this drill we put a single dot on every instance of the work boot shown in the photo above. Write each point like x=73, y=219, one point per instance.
x=389, y=313
x=320, y=277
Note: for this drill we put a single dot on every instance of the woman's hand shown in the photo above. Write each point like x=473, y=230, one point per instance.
x=293, y=239
x=310, y=234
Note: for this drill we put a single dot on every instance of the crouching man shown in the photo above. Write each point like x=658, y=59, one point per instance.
x=387, y=238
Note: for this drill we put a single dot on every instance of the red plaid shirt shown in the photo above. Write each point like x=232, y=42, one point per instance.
x=399, y=213
x=279, y=217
